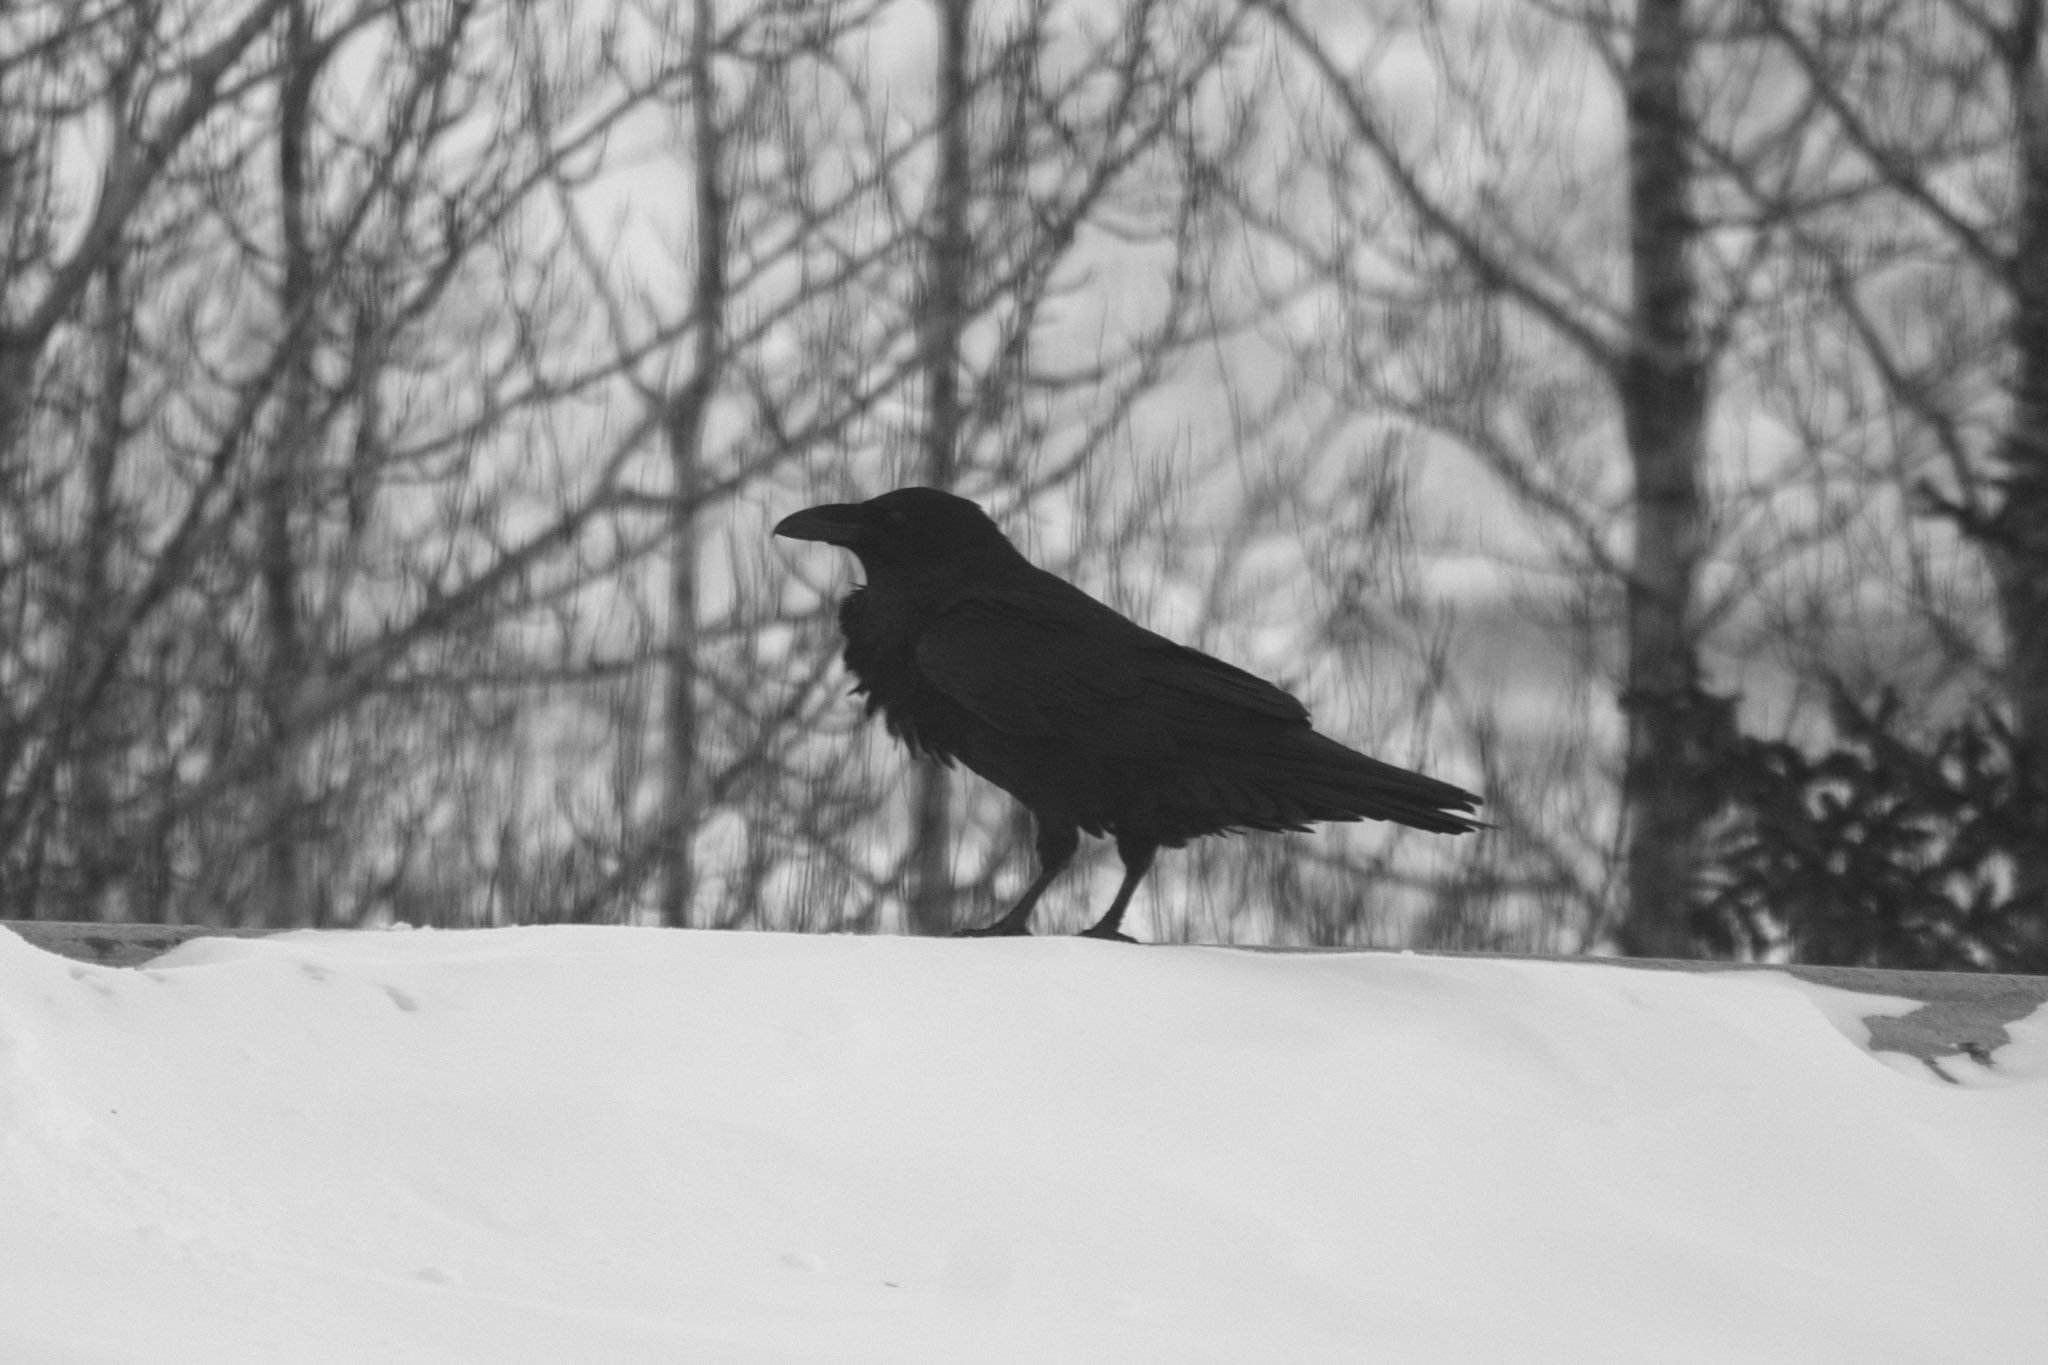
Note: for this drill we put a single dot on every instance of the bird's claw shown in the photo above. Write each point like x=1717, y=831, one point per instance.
x=1108, y=936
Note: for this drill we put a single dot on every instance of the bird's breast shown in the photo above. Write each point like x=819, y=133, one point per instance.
x=881, y=653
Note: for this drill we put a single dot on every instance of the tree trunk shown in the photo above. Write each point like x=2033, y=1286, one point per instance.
x=682, y=799
x=2018, y=539
x=92, y=738
x=282, y=899
x=944, y=315
x=1664, y=405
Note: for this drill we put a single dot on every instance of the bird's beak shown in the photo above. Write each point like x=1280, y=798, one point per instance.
x=835, y=523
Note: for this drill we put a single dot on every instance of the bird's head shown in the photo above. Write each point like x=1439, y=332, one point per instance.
x=921, y=532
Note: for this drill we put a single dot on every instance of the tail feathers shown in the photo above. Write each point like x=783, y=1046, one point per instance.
x=1302, y=777
x=1378, y=790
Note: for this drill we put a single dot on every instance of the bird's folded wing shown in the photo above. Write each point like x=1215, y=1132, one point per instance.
x=1026, y=671
x=1034, y=664
x=1178, y=676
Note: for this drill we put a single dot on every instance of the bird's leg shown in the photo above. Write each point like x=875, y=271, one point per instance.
x=1056, y=845
x=1137, y=862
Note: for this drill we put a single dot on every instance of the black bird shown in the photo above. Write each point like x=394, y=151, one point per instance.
x=971, y=652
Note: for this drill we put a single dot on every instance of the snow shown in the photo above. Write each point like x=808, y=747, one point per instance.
x=619, y=1145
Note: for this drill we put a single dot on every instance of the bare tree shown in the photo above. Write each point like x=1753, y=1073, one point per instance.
x=310, y=525
x=1923, y=221
x=943, y=315
x=1496, y=339
x=1046, y=127
x=1576, y=271
x=65, y=66
x=686, y=416
x=413, y=511
x=281, y=479
x=946, y=240
x=1662, y=382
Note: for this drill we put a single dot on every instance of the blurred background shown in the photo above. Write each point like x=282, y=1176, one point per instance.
x=1635, y=413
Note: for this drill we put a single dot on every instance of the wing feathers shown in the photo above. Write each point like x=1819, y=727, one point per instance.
x=1218, y=747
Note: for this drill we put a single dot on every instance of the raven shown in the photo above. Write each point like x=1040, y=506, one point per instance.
x=1094, y=723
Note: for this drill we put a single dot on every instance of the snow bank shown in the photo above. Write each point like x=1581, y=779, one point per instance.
x=616, y=1145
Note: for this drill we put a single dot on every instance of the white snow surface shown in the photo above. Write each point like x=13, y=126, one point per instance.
x=620, y=1145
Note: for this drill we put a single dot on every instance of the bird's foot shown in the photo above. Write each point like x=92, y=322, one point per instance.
x=1108, y=935
x=1002, y=928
